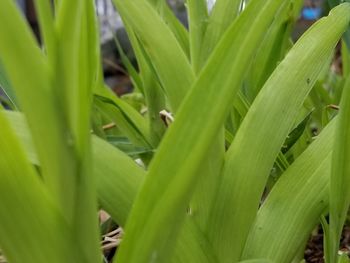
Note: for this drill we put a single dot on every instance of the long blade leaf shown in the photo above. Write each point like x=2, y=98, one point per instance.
x=163, y=48
x=117, y=187
x=340, y=177
x=251, y=157
x=295, y=204
x=32, y=229
x=157, y=217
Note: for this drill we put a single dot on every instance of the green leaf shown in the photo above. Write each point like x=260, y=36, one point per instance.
x=124, y=116
x=295, y=204
x=29, y=216
x=206, y=188
x=20, y=127
x=250, y=157
x=162, y=48
x=346, y=37
x=154, y=95
x=117, y=186
x=326, y=239
x=156, y=214
x=198, y=19
x=222, y=16
x=35, y=96
x=178, y=29
x=135, y=78
x=273, y=48
x=151, y=54
x=295, y=134
x=345, y=55
x=47, y=27
x=127, y=147
x=85, y=228
x=340, y=177
x=56, y=97
x=68, y=25
x=333, y=3
x=6, y=87
x=343, y=258
x=116, y=190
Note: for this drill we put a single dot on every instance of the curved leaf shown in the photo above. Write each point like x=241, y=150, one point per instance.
x=340, y=176
x=29, y=216
x=161, y=46
x=271, y=116
x=117, y=187
x=295, y=204
x=156, y=215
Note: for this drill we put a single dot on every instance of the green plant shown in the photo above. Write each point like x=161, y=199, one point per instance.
x=242, y=97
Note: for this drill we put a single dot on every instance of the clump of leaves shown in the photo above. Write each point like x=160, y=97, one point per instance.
x=237, y=98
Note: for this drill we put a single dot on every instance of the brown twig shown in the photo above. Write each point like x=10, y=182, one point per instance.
x=109, y=126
